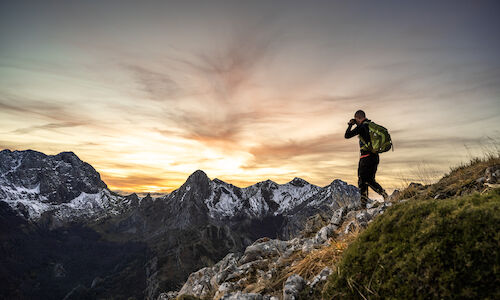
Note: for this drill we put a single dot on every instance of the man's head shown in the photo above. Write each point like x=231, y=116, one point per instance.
x=359, y=116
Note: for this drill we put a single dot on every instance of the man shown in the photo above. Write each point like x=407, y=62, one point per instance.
x=368, y=161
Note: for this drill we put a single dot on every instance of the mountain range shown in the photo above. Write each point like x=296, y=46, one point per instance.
x=65, y=235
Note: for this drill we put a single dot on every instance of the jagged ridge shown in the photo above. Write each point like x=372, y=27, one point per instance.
x=191, y=227
x=60, y=187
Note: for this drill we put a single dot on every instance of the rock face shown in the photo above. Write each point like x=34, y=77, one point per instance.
x=57, y=178
x=57, y=188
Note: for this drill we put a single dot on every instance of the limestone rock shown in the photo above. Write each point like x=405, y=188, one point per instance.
x=261, y=249
x=492, y=174
x=322, y=276
x=351, y=226
x=198, y=284
x=338, y=216
x=324, y=234
x=293, y=285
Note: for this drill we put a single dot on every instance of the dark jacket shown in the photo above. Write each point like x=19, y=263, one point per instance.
x=363, y=131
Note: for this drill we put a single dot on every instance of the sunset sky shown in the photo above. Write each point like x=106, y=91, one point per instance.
x=147, y=92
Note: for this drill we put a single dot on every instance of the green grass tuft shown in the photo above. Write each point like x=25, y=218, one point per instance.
x=425, y=249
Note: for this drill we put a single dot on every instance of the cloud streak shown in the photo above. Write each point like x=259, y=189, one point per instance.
x=48, y=126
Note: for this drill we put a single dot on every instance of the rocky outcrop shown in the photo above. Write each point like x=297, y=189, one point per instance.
x=250, y=274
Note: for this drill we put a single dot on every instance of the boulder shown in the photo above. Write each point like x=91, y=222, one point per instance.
x=351, y=226
x=293, y=286
x=322, y=276
x=260, y=250
x=338, y=216
x=324, y=234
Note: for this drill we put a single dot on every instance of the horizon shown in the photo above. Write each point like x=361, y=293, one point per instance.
x=425, y=178
x=149, y=92
x=163, y=193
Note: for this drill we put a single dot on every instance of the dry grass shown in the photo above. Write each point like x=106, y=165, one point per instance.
x=317, y=260
x=461, y=180
x=308, y=265
x=422, y=173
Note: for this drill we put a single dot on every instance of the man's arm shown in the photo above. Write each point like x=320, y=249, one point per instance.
x=350, y=133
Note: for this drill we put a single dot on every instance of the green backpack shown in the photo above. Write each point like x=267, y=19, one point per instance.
x=380, y=139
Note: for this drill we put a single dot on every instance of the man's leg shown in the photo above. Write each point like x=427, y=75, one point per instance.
x=363, y=190
x=371, y=181
x=378, y=189
x=363, y=175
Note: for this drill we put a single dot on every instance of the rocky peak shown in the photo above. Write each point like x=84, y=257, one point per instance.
x=69, y=157
x=269, y=184
x=298, y=182
x=35, y=182
x=198, y=178
x=133, y=199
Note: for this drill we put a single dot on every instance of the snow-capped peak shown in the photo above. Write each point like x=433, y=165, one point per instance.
x=33, y=183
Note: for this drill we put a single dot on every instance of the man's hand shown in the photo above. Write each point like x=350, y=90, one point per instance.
x=351, y=122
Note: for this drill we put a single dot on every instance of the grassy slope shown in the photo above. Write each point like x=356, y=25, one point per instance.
x=425, y=249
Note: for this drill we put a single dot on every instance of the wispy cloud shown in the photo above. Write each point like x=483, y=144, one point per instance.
x=208, y=94
x=327, y=145
x=48, y=126
x=158, y=86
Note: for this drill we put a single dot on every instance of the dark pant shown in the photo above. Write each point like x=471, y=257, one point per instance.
x=366, y=176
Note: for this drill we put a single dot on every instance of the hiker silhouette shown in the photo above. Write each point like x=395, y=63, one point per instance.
x=369, y=158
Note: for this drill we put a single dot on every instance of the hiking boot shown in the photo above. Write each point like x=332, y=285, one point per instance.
x=385, y=195
x=364, y=201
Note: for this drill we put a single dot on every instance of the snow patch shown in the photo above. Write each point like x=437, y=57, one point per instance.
x=30, y=204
